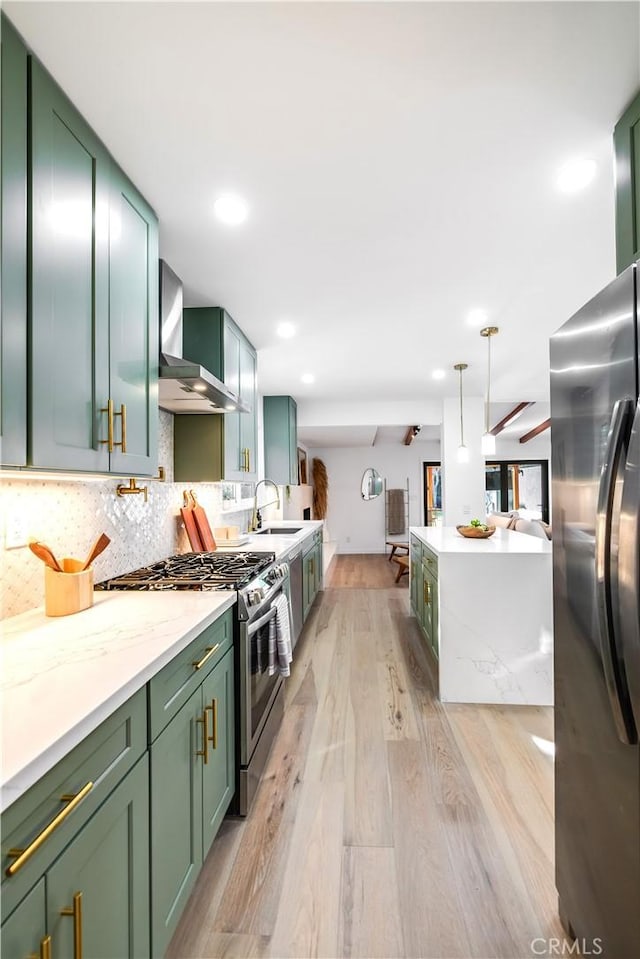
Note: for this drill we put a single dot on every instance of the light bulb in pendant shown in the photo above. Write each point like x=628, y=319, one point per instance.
x=463, y=453
x=488, y=444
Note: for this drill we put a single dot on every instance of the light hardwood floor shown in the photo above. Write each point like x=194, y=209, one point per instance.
x=388, y=825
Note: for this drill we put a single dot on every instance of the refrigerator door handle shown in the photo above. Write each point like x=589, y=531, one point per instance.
x=615, y=681
x=629, y=566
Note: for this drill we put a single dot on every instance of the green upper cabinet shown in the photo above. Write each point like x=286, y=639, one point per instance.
x=13, y=249
x=626, y=141
x=280, y=439
x=133, y=325
x=220, y=446
x=94, y=286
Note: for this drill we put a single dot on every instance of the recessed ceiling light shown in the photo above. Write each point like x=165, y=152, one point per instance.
x=438, y=374
x=477, y=317
x=231, y=209
x=308, y=378
x=576, y=174
x=286, y=330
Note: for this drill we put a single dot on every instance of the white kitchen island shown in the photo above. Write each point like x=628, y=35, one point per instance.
x=485, y=609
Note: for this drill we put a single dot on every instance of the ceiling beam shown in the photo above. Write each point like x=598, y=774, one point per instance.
x=535, y=431
x=510, y=418
x=409, y=436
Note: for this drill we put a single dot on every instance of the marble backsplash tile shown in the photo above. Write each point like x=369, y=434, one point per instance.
x=68, y=515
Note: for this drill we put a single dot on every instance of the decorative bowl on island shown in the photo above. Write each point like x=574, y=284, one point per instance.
x=476, y=532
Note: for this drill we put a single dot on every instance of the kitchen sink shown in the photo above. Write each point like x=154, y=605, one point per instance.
x=279, y=530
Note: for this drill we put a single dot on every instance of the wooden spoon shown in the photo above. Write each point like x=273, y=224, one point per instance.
x=100, y=544
x=45, y=554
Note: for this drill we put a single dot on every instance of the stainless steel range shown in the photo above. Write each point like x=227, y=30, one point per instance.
x=259, y=581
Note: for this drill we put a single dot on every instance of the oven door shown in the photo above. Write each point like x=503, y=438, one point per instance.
x=259, y=689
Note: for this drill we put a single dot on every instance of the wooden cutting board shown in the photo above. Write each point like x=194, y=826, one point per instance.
x=202, y=524
x=189, y=521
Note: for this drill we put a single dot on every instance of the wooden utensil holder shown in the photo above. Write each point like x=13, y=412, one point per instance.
x=70, y=591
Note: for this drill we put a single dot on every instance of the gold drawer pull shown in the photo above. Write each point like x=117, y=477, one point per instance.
x=22, y=855
x=75, y=911
x=213, y=738
x=210, y=651
x=204, y=752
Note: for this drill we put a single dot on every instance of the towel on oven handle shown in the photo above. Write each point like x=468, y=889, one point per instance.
x=283, y=635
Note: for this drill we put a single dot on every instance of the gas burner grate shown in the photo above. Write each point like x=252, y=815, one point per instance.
x=203, y=571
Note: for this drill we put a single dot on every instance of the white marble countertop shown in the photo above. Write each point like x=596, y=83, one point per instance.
x=447, y=539
x=63, y=676
x=278, y=543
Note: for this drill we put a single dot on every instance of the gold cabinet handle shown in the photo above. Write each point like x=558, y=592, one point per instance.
x=248, y=460
x=210, y=651
x=22, y=855
x=75, y=911
x=108, y=409
x=45, y=949
x=204, y=752
x=425, y=593
x=123, y=423
x=213, y=738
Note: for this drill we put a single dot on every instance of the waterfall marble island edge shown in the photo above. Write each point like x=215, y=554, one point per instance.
x=494, y=623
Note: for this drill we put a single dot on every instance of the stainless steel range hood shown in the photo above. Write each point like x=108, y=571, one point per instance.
x=184, y=385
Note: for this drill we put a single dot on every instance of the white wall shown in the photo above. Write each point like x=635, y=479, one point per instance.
x=357, y=525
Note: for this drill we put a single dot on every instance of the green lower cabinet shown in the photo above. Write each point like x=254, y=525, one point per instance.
x=192, y=784
x=307, y=581
x=25, y=931
x=98, y=889
x=93, y=901
x=176, y=818
x=218, y=775
x=417, y=601
x=424, y=593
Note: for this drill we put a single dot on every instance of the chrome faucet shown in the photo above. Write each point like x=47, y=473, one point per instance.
x=254, y=516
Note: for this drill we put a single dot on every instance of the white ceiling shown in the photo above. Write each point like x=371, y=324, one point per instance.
x=399, y=162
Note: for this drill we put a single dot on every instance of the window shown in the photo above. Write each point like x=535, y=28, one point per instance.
x=523, y=486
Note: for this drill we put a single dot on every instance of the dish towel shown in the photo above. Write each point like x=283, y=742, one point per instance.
x=283, y=634
x=396, y=512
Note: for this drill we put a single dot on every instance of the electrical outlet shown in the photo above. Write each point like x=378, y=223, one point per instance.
x=16, y=532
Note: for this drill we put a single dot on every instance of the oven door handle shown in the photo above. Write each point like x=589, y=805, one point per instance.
x=255, y=626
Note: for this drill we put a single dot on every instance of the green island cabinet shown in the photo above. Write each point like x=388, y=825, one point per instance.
x=311, y=571
x=626, y=141
x=191, y=709
x=424, y=592
x=13, y=248
x=280, y=421
x=220, y=446
x=83, y=878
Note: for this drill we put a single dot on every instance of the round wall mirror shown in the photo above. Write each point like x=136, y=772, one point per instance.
x=371, y=485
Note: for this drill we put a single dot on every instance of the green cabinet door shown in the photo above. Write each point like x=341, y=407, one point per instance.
x=218, y=774
x=69, y=348
x=280, y=439
x=626, y=141
x=416, y=579
x=24, y=933
x=133, y=327
x=176, y=818
x=13, y=249
x=308, y=581
x=248, y=421
x=104, y=875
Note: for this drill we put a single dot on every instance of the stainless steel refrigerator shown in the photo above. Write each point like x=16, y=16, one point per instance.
x=595, y=440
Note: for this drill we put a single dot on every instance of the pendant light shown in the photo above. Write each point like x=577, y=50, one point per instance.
x=488, y=445
x=463, y=452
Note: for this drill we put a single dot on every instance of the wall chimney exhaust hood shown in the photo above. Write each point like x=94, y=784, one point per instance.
x=184, y=386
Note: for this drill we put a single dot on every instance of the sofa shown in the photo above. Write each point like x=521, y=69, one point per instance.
x=513, y=520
